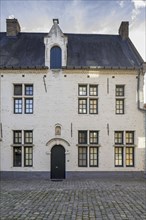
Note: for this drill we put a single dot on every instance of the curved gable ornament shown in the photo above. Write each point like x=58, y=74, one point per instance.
x=57, y=141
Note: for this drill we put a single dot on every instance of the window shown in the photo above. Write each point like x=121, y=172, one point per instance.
x=17, y=156
x=93, y=156
x=126, y=138
x=129, y=156
x=23, y=98
x=118, y=156
x=55, y=58
x=91, y=99
x=82, y=137
x=17, y=135
x=119, y=90
x=18, y=89
x=93, y=137
x=129, y=137
x=118, y=137
x=119, y=106
x=93, y=106
x=86, y=147
x=18, y=105
x=28, y=137
x=82, y=106
x=27, y=156
x=93, y=90
x=120, y=93
x=22, y=146
x=82, y=152
x=83, y=90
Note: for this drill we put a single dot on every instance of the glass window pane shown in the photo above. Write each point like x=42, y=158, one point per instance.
x=82, y=137
x=83, y=90
x=18, y=89
x=28, y=89
x=93, y=90
x=17, y=155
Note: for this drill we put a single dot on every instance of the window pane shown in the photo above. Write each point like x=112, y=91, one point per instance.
x=118, y=156
x=119, y=90
x=82, y=137
x=93, y=156
x=28, y=89
x=28, y=156
x=28, y=137
x=93, y=106
x=129, y=137
x=28, y=106
x=17, y=155
x=129, y=156
x=18, y=106
x=82, y=157
x=93, y=90
x=82, y=106
x=93, y=137
x=18, y=89
x=17, y=137
x=119, y=137
x=119, y=106
x=83, y=90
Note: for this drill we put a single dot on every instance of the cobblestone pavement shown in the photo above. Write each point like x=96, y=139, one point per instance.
x=80, y=199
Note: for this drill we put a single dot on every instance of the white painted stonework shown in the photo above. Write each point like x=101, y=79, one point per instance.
x=59, y=105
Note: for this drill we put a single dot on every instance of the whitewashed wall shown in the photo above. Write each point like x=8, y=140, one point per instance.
x=60, y=105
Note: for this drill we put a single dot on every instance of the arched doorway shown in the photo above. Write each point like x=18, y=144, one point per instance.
x=58, y=162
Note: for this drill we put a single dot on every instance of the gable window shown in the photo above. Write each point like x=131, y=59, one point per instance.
x=55, y=58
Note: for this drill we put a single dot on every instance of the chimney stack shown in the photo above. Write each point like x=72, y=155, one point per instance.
x=13, y=27
x=124, y=30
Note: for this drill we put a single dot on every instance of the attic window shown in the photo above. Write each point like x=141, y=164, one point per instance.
x=55, y=58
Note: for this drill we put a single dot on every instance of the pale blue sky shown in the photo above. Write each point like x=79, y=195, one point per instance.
x=79, y=16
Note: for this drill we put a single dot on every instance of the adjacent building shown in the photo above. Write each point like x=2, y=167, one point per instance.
x=70, y=103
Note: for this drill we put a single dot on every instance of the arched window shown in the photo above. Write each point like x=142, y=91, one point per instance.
x=55, y=58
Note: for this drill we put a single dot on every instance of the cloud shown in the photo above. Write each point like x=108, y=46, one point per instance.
x=121, y=3
x=138, y=5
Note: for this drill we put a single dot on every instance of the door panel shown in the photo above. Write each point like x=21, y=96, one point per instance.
x=58, y=162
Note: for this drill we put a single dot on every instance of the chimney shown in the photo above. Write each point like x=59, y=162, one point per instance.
x=13, y=27
x=124, y=30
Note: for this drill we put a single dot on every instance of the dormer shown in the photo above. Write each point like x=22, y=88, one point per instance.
x=55, y=47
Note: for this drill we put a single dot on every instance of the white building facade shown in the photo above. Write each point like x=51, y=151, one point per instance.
x=64, y=115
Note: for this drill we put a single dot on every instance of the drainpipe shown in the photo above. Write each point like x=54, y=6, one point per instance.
x=142, y=71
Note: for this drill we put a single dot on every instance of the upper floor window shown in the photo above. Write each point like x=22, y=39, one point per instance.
x=23, y=98
x=88, y=99
x=55, y=58
x=120, y=99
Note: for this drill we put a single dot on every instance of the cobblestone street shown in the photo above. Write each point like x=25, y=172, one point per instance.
x=75, y=199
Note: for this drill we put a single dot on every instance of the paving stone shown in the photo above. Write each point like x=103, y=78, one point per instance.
x=103, y=198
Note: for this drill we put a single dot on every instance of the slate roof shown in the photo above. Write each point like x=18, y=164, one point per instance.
x=83, y=50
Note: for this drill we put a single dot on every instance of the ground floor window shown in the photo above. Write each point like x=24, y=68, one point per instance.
x=118, y=156
x=27, y=156
x=22, y=148
x=84, y=160
x=82, y=155
x=124, y=156
x=17, y=156
x=129, y=156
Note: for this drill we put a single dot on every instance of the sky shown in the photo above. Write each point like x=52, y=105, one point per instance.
x=80, y=16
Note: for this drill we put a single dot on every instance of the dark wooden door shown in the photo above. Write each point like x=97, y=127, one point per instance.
x=58, y=162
